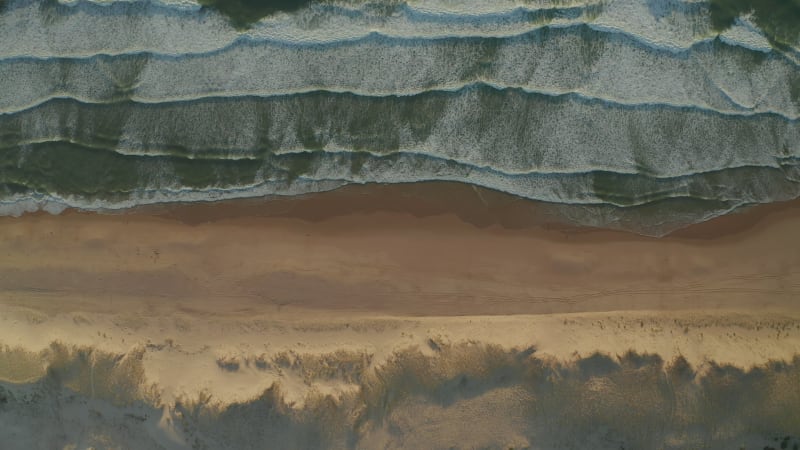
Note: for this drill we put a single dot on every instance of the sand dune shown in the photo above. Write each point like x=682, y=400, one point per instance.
x=596, y=380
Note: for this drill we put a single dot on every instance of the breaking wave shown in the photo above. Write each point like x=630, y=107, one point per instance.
x=624, y=104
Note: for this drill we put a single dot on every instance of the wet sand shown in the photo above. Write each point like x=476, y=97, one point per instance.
x=333, y=252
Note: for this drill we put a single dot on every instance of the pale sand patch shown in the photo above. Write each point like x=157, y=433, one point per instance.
x=187, y=380
x=208, y=381
x=237, y=358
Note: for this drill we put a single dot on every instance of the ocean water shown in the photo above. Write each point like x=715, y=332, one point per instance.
x=635, y=109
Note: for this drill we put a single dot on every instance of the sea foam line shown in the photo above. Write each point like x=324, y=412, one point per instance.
x=467, y=166
x=266, y=31
x=574, y=95
x=55, y=204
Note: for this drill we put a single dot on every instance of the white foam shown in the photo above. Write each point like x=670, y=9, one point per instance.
x=507, y=131
x=616, y=71
x=152, y=27
x=652, y=95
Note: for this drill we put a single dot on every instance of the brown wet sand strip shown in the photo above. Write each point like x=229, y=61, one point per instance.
x=401, y=250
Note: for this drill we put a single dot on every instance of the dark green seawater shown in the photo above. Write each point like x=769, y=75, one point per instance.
x=663, y=113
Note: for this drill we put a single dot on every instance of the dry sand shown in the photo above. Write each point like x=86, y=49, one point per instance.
x=369, y=318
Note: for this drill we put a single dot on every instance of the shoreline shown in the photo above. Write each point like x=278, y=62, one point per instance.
x=396, y=251
x=478, y=206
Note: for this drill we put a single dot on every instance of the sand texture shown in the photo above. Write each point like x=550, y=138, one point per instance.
x=385, y=327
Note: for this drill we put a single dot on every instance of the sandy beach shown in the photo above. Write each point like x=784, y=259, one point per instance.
x=386, y=260
x=168, y=320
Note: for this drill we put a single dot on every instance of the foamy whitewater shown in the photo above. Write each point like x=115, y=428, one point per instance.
x=609, y=108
